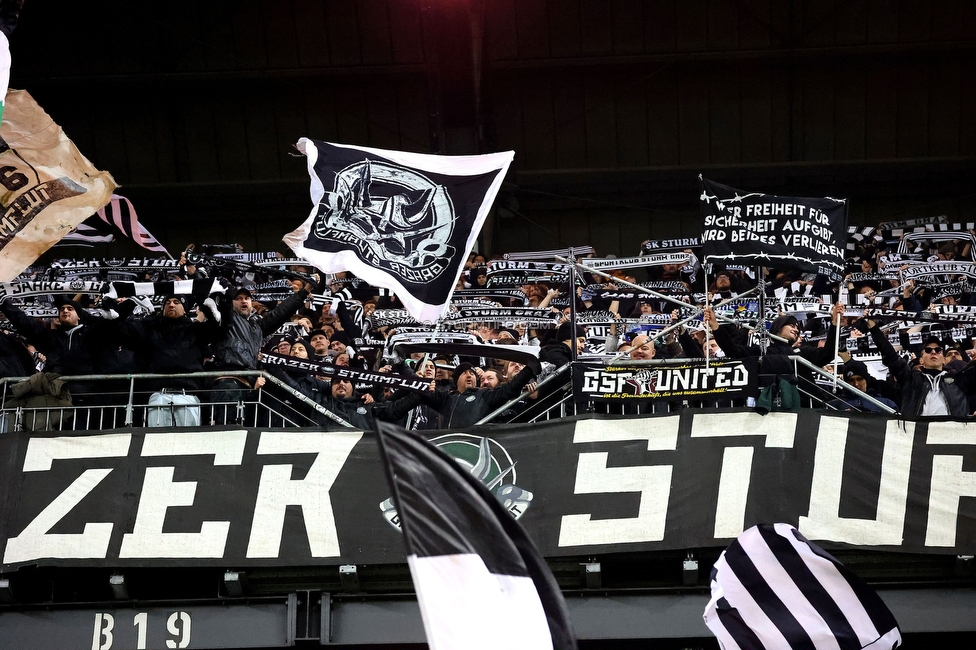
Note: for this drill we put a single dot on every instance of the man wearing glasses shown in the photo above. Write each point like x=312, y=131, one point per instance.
x=930, y=390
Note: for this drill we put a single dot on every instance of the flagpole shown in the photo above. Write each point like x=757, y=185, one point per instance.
x=763, y=339
x=708, y=304
x=572, y=303
x=836, y=349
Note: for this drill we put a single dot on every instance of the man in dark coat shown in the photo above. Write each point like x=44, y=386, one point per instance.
x=468, y=403
x=930, y=390
x=239, y=341
x=361, y=411
x=170, y=343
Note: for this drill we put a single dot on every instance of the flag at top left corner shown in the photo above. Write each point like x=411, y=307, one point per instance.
x=402, y=221
x=47, y=187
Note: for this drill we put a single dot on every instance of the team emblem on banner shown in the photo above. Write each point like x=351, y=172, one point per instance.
x=487, y=461
x=402, y=221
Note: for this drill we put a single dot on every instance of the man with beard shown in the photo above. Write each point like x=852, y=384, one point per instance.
x=171, y=344
x=238, y=343
x=467, y=404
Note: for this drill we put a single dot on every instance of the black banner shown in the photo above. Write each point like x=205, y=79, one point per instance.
x=809, y=234
x=720, y=379
x=580, y=486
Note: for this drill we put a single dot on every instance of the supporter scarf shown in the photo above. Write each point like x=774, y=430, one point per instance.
x=655, y=245
x=341, y=372
x=45, y=287
x=658, y=259
x=528, y=315
x=203, y=287
x=549, y=255
x=922, y=271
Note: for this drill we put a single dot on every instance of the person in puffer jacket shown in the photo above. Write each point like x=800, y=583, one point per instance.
x=930, y=390
x=239, y=341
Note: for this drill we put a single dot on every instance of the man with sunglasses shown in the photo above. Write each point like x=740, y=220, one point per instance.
x=930, y=390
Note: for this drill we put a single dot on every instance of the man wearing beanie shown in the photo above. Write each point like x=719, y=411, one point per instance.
x=239, y=341
x=170, y=343
x=856, y=374
x=79, y=345
x=930, y=390
x=559, y=352
x=467, y=404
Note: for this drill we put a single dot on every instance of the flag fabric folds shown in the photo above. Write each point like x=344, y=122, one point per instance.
x=772, y=588
x=89, y=232
x=398, y=220
x=481, y=583
x=47, y=187
x=120, y=213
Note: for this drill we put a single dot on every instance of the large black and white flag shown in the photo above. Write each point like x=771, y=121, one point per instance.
x=772, y=588
x=481, y=583
x=809, y=234
x=402, y=221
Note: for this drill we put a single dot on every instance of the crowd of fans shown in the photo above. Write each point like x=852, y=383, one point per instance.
x=918, y=365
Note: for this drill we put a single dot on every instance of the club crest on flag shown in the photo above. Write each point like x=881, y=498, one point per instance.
x=400, y=220
x=485, y=460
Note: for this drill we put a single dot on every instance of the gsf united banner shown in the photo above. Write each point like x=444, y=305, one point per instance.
x=398, y=220
x=580, y=486
x=720, y=379
x=789, y=232
x=47, y=187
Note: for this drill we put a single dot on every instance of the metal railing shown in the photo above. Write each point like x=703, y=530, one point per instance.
x=123, y=403
x=112, y=401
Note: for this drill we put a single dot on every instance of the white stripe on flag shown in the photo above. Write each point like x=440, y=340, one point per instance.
x=456, y=592
x=120, y=213
x=834, y=584
x=752, y=614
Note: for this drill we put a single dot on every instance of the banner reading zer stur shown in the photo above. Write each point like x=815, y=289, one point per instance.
x=808, y=234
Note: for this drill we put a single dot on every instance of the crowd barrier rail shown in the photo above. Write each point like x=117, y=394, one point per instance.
x=279, y=405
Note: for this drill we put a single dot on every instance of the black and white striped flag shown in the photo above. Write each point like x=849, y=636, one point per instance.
x=772, y=588
x=481, y=583
x=120, y=213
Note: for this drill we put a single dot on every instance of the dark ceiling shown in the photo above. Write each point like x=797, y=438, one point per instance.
x=613, y=107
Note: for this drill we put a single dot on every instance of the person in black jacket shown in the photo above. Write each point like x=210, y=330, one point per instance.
x=775, y=359
x=558, y=352
x=362, y=411
x=930, y=390
x=79, y=345
x=239, y=341
x=468, y=404
x=170, y=343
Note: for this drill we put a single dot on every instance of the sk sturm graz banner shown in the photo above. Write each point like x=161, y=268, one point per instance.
x=580, y=486
x=740, y=227
x=398, y=220
x=721, y=379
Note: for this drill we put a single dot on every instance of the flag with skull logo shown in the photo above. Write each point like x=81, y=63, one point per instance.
x=399, y=220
